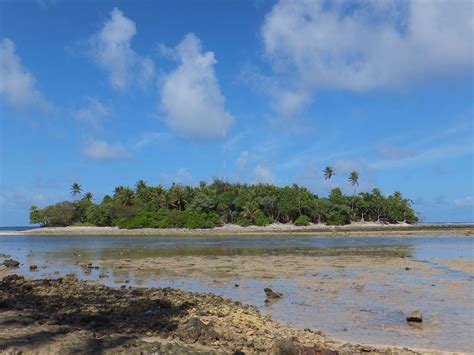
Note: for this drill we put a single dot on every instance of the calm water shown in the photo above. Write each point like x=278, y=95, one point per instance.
x=372, y=315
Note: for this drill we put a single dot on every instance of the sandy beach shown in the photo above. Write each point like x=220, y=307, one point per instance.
x=354, y=229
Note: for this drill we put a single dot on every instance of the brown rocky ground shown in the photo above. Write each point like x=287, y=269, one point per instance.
x=67, y=315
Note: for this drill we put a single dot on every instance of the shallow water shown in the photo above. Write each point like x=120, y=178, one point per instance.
x=353, y=288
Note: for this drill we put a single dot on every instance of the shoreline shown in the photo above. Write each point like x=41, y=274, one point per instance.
x=354, y=229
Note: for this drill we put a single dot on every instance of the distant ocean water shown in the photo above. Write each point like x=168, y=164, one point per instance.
x=447, y=223
x=17, y=228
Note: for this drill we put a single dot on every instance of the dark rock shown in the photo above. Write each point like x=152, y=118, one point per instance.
x=194, y=330
x=236, y=285
x=284, y=346
x=407, y=268
x=272, y=294
x=11, y=263
x=415, y=316
x=33, y=267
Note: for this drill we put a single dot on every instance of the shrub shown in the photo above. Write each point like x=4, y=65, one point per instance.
x=99, y=215
x=302, y=220
x=202, y=203
x=261, y=219
x=243, y=222
x=339, y=215
x=202, y=220
x=58, y=215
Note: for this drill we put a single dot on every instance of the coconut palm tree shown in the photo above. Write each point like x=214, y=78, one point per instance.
x=328, y=172
x=76, y=189
x=250, y=211
x=88, y=196
x=354, y=180
x=140, y=186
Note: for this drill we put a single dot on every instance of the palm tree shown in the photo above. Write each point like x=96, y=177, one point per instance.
x=140, y=186
x=354, y=180
x=127, y=196
x=328, y=172
x=76, y=189
x=88, y=196
x=250, y=211
x=178, y=196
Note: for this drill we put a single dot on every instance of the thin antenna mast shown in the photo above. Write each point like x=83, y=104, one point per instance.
x=223, y=155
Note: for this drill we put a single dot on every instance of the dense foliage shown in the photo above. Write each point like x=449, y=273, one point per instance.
x=208, y=206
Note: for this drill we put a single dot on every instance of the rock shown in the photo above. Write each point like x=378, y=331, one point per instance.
x=11, y=263
x=33, y=267
x=194, y=329
x=415, y=316
x=272, y=294
x=236, y=285
x=285, y=346
x=407, y=268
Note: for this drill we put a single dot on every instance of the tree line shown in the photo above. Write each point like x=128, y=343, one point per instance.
x=211, y=205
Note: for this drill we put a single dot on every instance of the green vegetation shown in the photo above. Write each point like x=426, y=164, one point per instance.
x=208, y=206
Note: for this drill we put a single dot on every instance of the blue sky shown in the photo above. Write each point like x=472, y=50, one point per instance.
x=106, y=93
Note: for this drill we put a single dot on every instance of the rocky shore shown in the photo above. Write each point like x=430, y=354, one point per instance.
x=67, y=315
x=354, y=229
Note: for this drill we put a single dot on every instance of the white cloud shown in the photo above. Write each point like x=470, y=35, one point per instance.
x=102, y=150
x=432, y=154
x=94, y=113
x=263, y=174
x=391, y=152
x=190, y=95
x=467, y=201
x=364, y=45
x=21, y=197
x=111, y=49
x=183, y=177
x=243, y=160
x=17, y=84
x=150, y=138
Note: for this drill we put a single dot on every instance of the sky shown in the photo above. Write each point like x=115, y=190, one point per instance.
x=105, y=93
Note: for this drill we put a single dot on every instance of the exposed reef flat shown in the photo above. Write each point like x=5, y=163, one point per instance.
x=354, y=229
x=66, y=315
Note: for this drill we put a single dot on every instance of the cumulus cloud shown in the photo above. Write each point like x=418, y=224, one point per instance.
x=94, y=113
x=112, y=51
x=263, y=174
x=102, y=150
x=190, y=95
x=17, y=84
x=243, y=160
x=364, y=45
